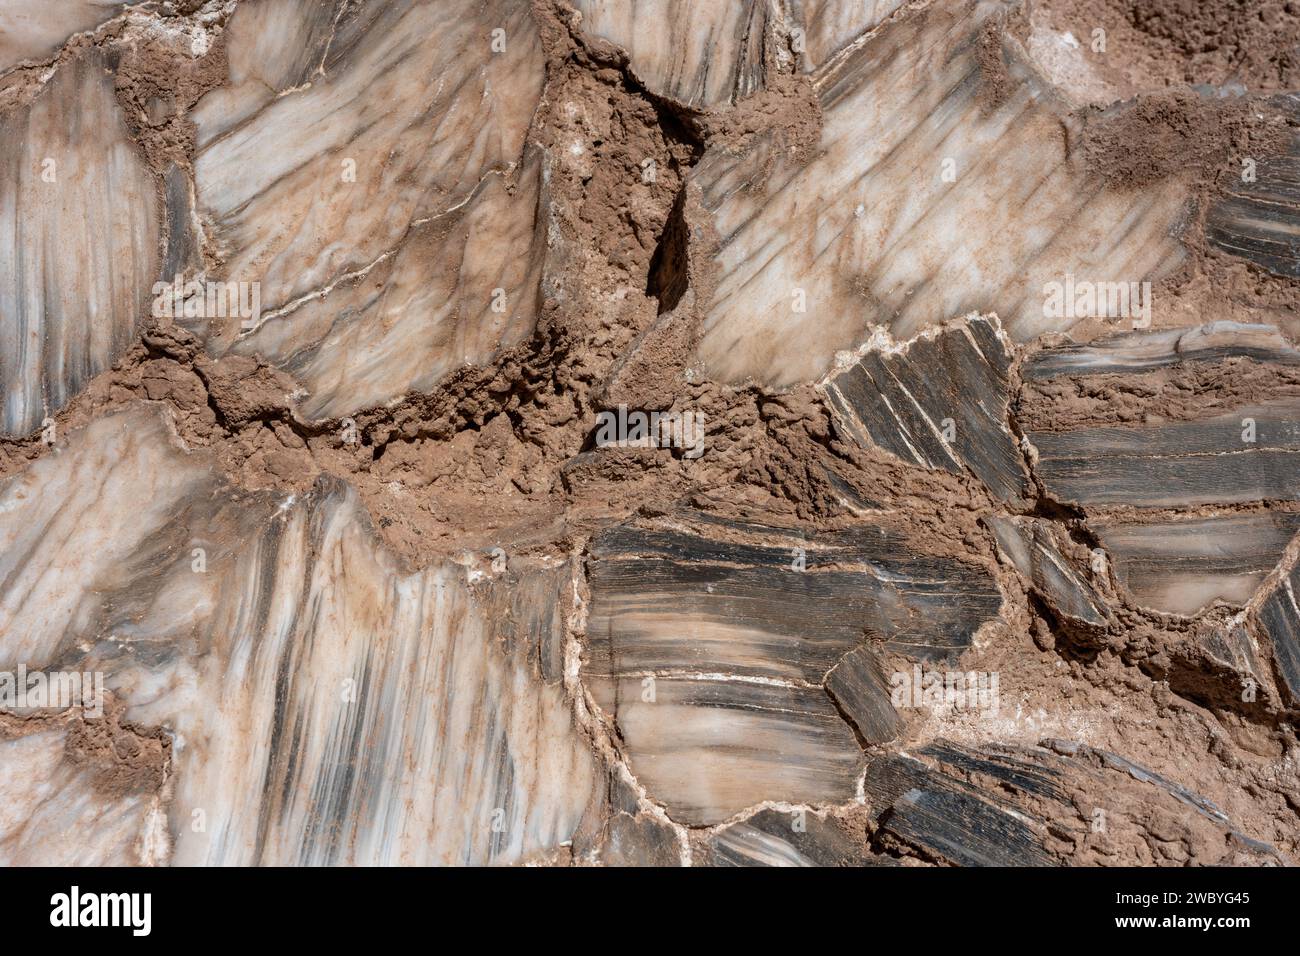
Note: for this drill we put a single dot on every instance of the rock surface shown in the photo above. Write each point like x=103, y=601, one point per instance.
x=793, y=433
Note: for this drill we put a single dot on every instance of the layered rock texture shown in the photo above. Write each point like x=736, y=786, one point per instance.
x=660, y=433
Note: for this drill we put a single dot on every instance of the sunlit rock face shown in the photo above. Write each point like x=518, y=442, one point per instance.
x=57, y=813
x=1183, y=566
x=1203, y=421
x=700, y=53
x=939, y=401
x=375, y=186
x=776, y=838
x=1256, y=219
x=987, y=807
x=827, y=26
x=1150, y=466
x=326, y=706
x=354, y=524
x=1033, y=548
x=709, y=650
x=389, y=728
x=33, y=30
x=1237, y=442
x=707, y=53
x=79, y=233
x=1276, y=620
x=942, y=184
x=427, y=309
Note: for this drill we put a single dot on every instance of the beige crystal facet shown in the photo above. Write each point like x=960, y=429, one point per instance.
x=347, y=157
x=701, y=52
x=325, y=705
x=79, y=234
x=920, y=202
x=33, y=30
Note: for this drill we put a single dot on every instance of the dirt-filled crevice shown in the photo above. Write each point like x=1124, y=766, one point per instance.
x=668, y=276
x=485, y=450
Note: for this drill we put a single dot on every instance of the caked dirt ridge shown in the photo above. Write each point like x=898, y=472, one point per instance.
x=504, y=455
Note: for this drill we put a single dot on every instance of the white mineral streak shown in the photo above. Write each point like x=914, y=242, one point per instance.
x=829, y=25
